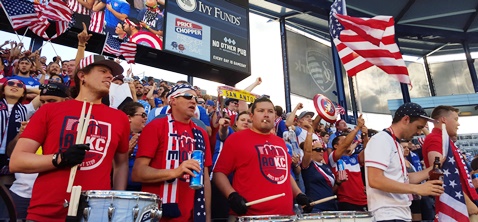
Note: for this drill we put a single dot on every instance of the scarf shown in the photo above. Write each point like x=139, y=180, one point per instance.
x=19, y=114
x=169, y=189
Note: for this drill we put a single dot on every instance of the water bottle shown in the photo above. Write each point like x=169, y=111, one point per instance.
x=297, y=210
x=293, y=142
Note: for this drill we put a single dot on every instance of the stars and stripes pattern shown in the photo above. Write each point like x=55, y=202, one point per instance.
x=97, y=21
x=365, y=42
x=86, y=61
x=21, y=13
x=340, y=110
x=77, y=7
x=450, y=206
x=199, y=199
x=112, y=45
x=128, y=51
x=117, y=48
x=55, y=12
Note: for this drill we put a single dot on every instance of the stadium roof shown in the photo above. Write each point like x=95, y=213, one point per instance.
x=423, y=27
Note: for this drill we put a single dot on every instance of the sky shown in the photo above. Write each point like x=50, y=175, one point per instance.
x=266, y=62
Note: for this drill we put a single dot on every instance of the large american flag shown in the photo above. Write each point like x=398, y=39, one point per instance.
x=365, y=42
x=450, y=206
x=77, y=7
x=20, y=12
x=199, y=210
x=55, y=12
x=115, y=47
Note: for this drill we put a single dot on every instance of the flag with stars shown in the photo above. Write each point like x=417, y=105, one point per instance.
x=128, y=50
x=21, y=13
x=54, y=19
x=112, y=45
x=365, y=42
x=450, y=206
x=199, y=199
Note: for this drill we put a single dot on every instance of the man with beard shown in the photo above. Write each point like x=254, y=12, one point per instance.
x=254, y=178
x=151, y=18
x=23, y=73
x=140, y=89
x=388, y=184
x=54, y=127
x=52, y=69
x=131, y=27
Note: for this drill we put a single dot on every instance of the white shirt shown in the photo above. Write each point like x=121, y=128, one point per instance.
x=384, y=153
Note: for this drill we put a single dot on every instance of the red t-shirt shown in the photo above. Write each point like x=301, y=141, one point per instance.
x=261, y=167
x=433, y=142
x=153, y=143
x=54, y=126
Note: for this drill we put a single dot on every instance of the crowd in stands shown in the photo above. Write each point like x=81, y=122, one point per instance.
x=325, y=159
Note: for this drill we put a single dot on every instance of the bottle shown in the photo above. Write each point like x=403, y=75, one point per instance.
x=436, y=173
x=342, y=174
x=293, y=142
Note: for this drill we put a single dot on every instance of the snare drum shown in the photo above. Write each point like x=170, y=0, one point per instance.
x=109, y=205
x=270, y=218
x=337, y=216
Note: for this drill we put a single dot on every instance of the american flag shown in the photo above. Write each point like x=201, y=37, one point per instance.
x=55, y=11
x=77, y=7
x=340, y=110
x=97, y=21
x=365, y=42
x=199, y=200
x=117, y=48
x=450, y=206
x=20, y=12
x=128, y=50
x=112, y=45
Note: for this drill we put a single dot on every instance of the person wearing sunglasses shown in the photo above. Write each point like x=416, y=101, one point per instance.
x=137, y=120
x=319, y=180
x=56, y=79
x=163, y=161
x=103, y=155
x=351, y=193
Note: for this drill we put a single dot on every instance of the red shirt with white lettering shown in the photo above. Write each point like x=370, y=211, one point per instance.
x=261, y=167
x=153, y=143
x=54, y=126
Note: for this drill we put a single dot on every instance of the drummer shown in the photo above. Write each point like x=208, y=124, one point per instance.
x=255, y=178
x=54, y=128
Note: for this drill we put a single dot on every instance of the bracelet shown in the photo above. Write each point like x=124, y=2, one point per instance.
x=81, y=45
x=55, y=160
x=309, y=133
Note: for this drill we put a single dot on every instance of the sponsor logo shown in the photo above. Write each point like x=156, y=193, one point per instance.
x=320, y=68
x=98, y=135
x=188, y=28
x=273, y=163
x=187, y=5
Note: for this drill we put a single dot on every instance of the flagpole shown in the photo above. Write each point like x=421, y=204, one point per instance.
x=104, y=44
x=24, y=34
x=11, y=23
x=357, y=95
x=53, y=47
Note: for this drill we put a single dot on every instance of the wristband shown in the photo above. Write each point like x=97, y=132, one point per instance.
x=55, y=160
x=81, y=45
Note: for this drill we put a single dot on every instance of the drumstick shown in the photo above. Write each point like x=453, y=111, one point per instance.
x=74, y=201
x=265, y=199
x=80, y=139
x=322, y=200
x=79, y=129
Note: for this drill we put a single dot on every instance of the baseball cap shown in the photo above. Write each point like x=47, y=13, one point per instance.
x=412, y=110
x=209, y=103
x=304, y=113
x=92, y=60
x=53, y=89
x=119, y=77
x=228, y=100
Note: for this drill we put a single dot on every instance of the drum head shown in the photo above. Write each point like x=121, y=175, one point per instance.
x=325, y=108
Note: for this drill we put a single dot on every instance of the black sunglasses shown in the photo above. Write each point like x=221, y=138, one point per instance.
x=12, y=83
x=318, y=150
x=49, y=87
x=187, y=96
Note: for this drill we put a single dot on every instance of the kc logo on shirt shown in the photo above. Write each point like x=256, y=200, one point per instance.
x=98, y=136
x=273, y=163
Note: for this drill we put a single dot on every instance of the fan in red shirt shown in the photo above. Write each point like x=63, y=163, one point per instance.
x=163, y=162
x=261, y=167
x=54, y=127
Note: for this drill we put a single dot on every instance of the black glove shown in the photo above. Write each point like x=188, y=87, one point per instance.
x=237, y=203
x=74, y=155
x=303, y=200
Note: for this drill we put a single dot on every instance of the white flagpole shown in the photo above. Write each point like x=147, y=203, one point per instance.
x=11, y=23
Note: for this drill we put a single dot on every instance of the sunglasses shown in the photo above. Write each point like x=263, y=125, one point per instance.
x=18, y=84
x=49, y=87
x=187, y=96
x=143, y=115
x=318, y=150
x=201, y=102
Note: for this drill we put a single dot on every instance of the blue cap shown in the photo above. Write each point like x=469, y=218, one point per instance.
x=209, y=103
